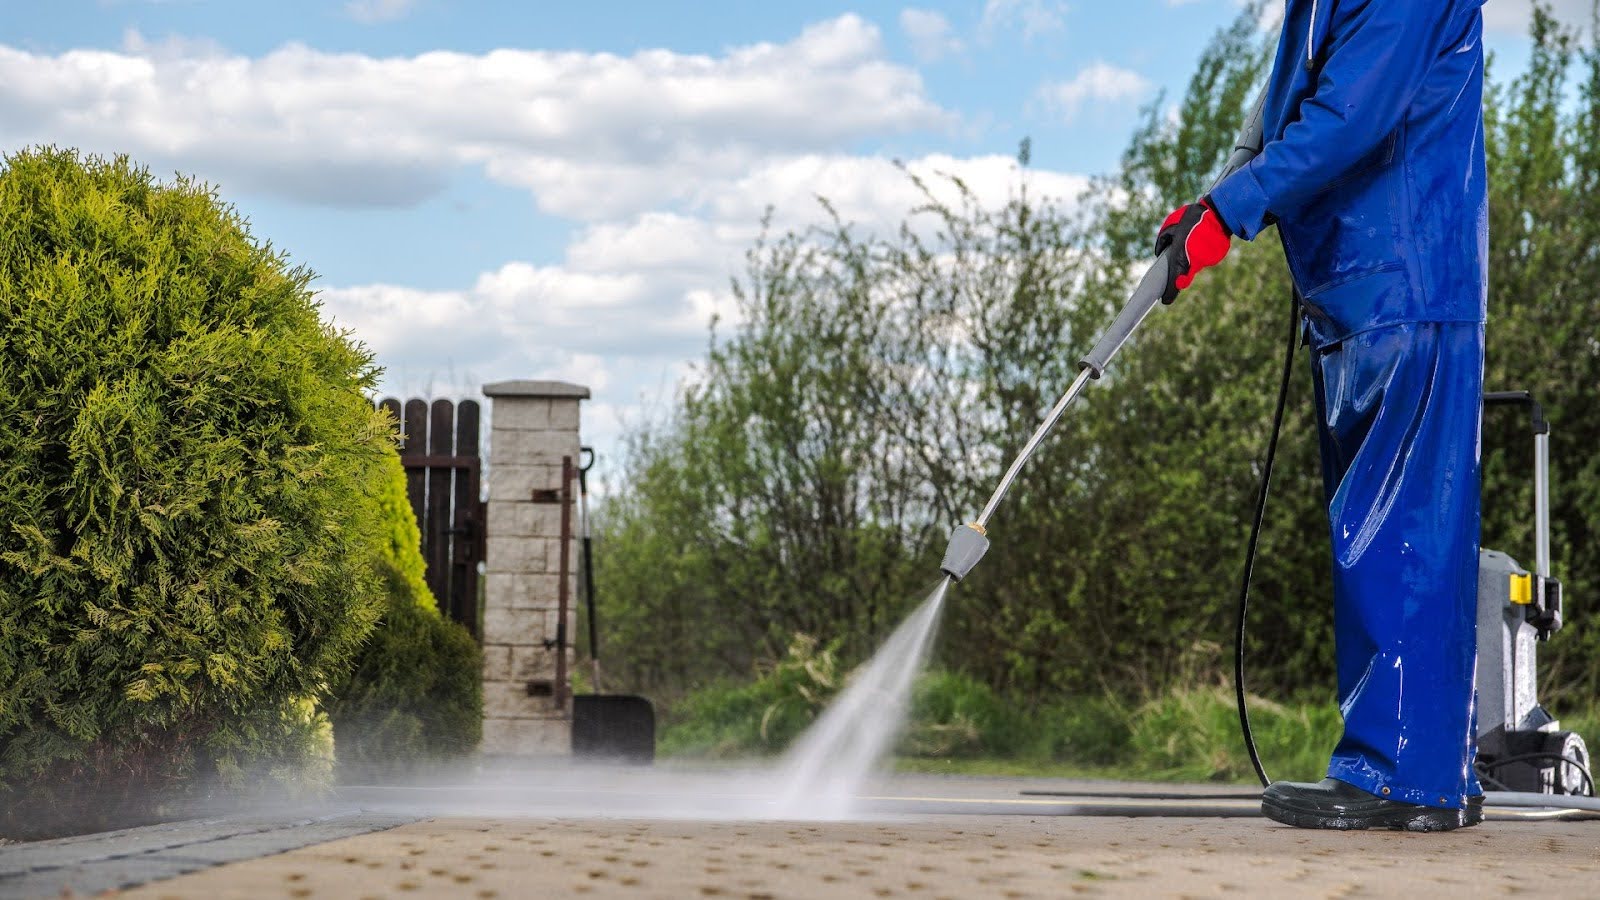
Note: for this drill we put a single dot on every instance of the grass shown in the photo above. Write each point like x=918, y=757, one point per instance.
x=962, y=727
x=1026, y=768
x=1585, y=722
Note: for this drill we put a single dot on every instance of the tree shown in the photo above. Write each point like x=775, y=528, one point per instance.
x=188, y=497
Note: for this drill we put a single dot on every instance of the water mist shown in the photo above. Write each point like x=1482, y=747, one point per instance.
x=822, y=774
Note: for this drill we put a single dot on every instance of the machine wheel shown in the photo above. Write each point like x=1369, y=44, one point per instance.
x=1569, y=778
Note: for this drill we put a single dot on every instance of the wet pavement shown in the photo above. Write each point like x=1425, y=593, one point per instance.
x=671, y=834
x=951, y=857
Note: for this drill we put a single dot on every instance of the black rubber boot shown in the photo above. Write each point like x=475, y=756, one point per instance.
x=1331, y=803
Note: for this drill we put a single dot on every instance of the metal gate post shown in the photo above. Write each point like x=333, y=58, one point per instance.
x=563, y=691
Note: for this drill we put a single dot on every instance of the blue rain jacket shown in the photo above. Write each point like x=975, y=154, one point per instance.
x=1374, y=173
x=1374, y=163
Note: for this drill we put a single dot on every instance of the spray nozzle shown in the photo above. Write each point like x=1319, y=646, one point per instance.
x=967, y=545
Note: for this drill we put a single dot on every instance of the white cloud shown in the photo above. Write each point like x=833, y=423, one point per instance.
x=932, y=38
x=1100, y=82
x=590, y=135
x=631, y=301
x=373, y=11
x=1034, y=18
x=1270, y=17
x=1513, y=16
x=647, y=286
x=873, y=191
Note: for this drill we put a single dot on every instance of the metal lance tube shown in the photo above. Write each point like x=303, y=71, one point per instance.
x=969, y=542
x=1028, y=449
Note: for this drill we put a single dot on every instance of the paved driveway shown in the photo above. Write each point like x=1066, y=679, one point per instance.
x=950, y=856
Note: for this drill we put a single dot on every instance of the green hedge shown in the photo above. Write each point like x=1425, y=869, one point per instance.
x=187, y=506
x=415, y=697
x=960, y=724
x=762, y=716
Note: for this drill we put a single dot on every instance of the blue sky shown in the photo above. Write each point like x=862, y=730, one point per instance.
x=539, y=189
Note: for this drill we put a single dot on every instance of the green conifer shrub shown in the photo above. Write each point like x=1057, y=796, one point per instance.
x=415, y=697
x=188, y=477
x=401, y=540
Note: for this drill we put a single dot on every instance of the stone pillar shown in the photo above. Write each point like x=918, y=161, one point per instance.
x=535, y=424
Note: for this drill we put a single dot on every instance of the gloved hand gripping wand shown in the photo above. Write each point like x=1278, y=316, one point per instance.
x=970, y=542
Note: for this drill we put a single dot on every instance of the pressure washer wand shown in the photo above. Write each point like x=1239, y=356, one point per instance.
x=970, y=542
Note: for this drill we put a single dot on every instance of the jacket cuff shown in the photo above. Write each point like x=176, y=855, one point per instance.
x=1242, y=203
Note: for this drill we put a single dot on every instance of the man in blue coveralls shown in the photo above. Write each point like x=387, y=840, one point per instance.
x=1373, y=170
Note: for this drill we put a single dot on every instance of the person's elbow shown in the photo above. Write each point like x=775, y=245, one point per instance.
x=1318, y=152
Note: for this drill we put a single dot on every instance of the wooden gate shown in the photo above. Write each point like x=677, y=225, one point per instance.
x=439, y=446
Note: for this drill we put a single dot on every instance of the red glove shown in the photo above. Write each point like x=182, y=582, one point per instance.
x=1202, y=240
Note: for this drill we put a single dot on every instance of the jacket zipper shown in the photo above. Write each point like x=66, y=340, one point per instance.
x=1311, y=37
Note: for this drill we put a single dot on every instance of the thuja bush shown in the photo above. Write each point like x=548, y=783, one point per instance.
x=414, y=698
x=400, y=539
x=188, y=514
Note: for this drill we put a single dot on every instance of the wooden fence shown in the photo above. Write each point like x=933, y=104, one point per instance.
x=443, y=480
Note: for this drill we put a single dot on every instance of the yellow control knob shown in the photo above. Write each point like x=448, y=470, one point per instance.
x=1521, y=589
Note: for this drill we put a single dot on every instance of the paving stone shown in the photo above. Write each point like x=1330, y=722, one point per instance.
x=90, y=864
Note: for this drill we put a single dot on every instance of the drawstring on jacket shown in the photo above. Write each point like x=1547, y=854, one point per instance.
x=1311, y=37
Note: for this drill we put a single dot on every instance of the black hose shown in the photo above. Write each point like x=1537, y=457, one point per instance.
x=1197, y=796
x=1583, y=770
x=1490, y=780
x=1255, y=538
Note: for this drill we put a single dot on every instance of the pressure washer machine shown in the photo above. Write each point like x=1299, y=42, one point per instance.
x=1521, y=746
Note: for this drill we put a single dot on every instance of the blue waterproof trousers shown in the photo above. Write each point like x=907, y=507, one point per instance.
x=1400, y=410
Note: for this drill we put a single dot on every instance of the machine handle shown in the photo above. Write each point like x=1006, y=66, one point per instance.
x=1541, y=472
x=1541, y=425
x=1153, y=285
